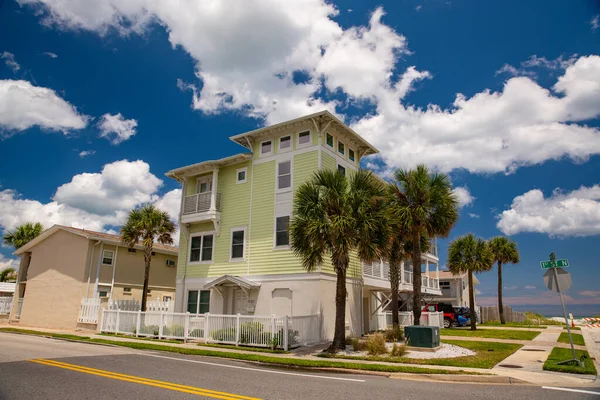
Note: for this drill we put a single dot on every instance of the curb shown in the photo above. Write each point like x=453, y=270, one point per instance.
x=466, y=379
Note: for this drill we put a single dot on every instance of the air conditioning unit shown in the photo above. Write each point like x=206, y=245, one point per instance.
x=171, y=263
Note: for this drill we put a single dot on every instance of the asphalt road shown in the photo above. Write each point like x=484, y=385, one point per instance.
x=40, y=368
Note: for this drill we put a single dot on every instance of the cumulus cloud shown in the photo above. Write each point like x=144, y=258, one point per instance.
x=9, y=60
x=86, y=153
x=116, y=128
x=6, y=262
x=534, y=61
x=575, y=213
x=463, y=195
x=95, y=201
x=473, y=215
x=246, y=61
x=23, y=105
x=50, y=54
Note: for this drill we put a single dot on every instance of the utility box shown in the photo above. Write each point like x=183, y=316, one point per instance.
x=422, y=336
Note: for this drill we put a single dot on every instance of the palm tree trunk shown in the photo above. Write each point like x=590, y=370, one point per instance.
x=472, y=302
x=394, y=283
x=339, y=336
x=147, y=259
x=416, y=261
x=500, y=307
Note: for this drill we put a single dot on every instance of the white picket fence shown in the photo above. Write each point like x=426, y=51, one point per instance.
x=90, y=307
x=382, y=321
x=285, y=332
x=6, y=304
x=88, y=312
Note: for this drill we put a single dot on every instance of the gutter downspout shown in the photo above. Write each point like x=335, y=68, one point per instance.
x=112, y=283
x=87, y=290
x=98, y=269
x=250, y=216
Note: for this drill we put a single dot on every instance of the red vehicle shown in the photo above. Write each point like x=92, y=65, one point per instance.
x=450, y=314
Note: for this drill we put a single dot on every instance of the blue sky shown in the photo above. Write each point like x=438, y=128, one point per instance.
x=96, y=104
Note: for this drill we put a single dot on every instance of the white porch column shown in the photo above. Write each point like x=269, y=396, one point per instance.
x=402, y=280
x=427, y=272
x=213, y=193
x=101, y=254
x=437, y=273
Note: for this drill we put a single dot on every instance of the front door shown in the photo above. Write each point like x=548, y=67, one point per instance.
x=204, y=184
x=241, y=302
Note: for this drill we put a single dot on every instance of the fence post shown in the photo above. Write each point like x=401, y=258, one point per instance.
x=206, y=316
x=237, y=329
x=138, y=323
x=102, y=320
x=161, y=321
x=117, y=324
x=285, y=333
x=186, y=327
x=273, y=328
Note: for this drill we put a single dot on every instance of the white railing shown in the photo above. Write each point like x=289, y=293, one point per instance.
x=89, y=309
x=6, y=304
x=136, y=305
x=408, y=277
x=432, y=319
x=383, y=320
x=200, y=202
x=434, y=283
x=424, y=281
x=275, y=331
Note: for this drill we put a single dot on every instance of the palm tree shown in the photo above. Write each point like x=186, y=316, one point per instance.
x=472, y=255
x=504, y=250
x=146, y=225
x=395, y=252
x=334, y=216
x=424, y=204
x=8, y=275
x=22, y=234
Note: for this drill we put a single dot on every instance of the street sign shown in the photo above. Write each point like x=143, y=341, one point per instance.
x=554, y=264
x=562, y=277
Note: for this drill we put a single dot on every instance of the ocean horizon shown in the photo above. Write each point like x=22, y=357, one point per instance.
x=578, y=310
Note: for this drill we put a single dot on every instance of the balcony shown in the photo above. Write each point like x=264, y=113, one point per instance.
x=199, y=208
x=377, y=274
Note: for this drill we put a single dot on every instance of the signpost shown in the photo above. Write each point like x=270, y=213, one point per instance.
x=558, y=279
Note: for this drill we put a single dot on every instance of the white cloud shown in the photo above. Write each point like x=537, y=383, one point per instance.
x=576, y=213
x=473, y=215
x=478, y=292
x=463, y=195
x=246, y=61
x=116, y=128
x=529, y=287
x=6, y=262
x=510, y=287
x=9, y=60
x=590, y=293
x=86, y=153
x=595, y=22
x=95, y=201
x=23, y=105
x=418, y=7
x=510, y=70
x=50, y=54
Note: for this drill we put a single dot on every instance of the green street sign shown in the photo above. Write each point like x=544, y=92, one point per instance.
x=554, y=264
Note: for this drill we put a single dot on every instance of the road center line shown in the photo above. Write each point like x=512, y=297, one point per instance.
x=571, y=390
x=256, y=369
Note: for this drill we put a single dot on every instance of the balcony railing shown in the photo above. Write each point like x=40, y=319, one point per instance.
x=382, y=271
x=200, y=202
x=433, y=250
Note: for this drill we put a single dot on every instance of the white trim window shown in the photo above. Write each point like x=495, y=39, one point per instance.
x=304, y=139
x=285, y=143
x=341, y=148
x=198, y=301
x=203, y=184
x=202, y=248
x=238, y=244
x=284, y=175
x=282, y=231
x=329, y=139
x=342, y=169
x=266, y=148
x=241, y=175
x=351, y=155
x=108, y=257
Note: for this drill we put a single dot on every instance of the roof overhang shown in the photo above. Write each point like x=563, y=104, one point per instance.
x=180, y=173
x=230, y=280
x=323, y=120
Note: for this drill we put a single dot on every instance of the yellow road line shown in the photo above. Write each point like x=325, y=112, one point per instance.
x=144, y=381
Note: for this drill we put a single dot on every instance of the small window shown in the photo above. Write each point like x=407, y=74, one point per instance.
x=201, y=248
x=237, y=245
x=107, y=257
x=203, y=185
x=127, y=290
x=103, y=293
x=284, y=175
x=282, y=236
x=195, y=248
x=170, y=262
x=266, y=147
x=131, y=250
x=342, y=170
x=351, y=155
x=153, y=254
x=198, y=304
x=207, y=247
x=341, y=148
x=329, y=139
x=167, y=298
x=241, y=175
x=285, y=143
x=304, y=138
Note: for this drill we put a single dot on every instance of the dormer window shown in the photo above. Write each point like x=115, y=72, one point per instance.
x=351, y=155
x=285, y=143
x=329, y=140
x=266, y=147
x=341, y=148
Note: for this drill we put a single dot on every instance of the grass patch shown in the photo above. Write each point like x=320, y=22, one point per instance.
x=574, y=328
x=175, y=341
x=540, y=319
x=488, y=355
x=526, y=324
x=286, y=362
x=577, y=339
x=242, y=347
x=513, y=334
x=559, y=354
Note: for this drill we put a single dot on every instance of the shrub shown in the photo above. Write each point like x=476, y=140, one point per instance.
x=376, y=345
x=224, y=335
x=398, y=350
x=176, y=330
x=149, y=330
x=358, y=344
x=197, y=333
x=394, y=334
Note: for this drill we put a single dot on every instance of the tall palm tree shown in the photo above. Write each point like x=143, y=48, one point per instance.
x=424, y=204
x=8, y=275
x=146, y=225
x=504, y=250
x=335, y=215
x=22, y=234
x=472, y=255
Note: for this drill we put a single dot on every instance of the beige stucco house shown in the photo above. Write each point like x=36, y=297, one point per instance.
x=455, y=288
x=65, y=264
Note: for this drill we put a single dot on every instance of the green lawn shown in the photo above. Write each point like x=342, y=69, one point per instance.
x=577, y=338
x=488, y=355
x=559, y=354
x=575, y=328
x=514, y=334
x=242, y=347
x=513, y=324
x=174, y=341
x=289, y=362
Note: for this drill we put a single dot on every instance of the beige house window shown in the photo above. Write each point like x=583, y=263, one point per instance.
x=107, y=257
